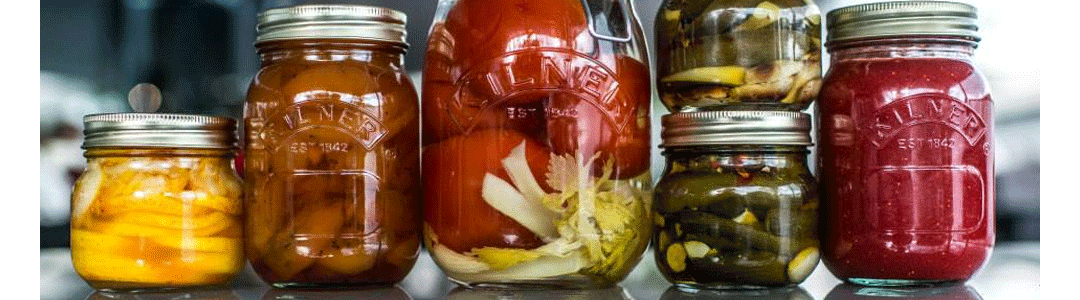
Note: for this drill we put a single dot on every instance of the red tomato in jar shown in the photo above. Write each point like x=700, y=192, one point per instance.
x=443, y=119
x=453, y=175
x=486, y=29
x=619, y=130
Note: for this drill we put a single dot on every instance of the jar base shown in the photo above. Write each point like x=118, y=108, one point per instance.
x=332, y=286
x=532, y=285
x=693, y=287
x=901, y=282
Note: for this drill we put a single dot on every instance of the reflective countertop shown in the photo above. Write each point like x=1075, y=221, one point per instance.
x=1013, y=273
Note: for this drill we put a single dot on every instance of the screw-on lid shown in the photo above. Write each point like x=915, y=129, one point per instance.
x=332, y=22
x=704, y=128
x=151, y=130
x=902, y=18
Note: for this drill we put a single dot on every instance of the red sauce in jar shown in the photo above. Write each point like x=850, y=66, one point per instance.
x=906, y=163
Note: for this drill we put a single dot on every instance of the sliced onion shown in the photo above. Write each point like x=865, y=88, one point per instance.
x=531, y=214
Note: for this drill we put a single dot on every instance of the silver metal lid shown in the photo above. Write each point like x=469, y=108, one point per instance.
x=151, y=130
x=705, y=128
x=332, y=22
x=902, y=18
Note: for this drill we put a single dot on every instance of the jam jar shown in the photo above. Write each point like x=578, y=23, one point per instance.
x=906, y=147
x=332, y=149
x=738, y=54
x=536, y=142
x=737, y=206
x=159, y=204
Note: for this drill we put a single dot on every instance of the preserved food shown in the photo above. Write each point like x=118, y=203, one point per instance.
x=151, y=212
x=906, y=154
x=738, y=54
x=538, y=125
x=736, y=208
x=332, y=149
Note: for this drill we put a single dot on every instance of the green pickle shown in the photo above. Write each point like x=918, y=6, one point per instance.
x=731, y=222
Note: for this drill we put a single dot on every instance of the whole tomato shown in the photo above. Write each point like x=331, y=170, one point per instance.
x=453, y=174
x=619, y=131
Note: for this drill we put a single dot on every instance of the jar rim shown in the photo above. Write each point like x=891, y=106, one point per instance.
x=703, y=128
x=353, y=22
x=156, y=130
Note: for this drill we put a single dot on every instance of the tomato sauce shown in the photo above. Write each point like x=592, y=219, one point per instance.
x=906, y=163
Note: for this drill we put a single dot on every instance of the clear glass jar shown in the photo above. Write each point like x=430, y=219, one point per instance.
x=737, y=205
x=906, y=148
x=332, y=149
x=738, y=54
x=159, y=205
x=538, y=124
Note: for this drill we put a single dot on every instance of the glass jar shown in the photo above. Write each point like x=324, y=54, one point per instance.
x=737, y=205
x=738, y=54
x=906, y=153
x=332, y=149
x=159, y=205
x=538, y=124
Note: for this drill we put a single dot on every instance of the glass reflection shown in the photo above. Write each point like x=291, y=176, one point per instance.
x=792, y=293
x=850, y=291
x=464, y=293
x=186, y=295
x=390, y=293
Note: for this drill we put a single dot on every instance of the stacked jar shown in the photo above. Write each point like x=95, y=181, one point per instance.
x=737, y=206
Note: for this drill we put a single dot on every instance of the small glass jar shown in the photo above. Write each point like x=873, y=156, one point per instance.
x=159, y=205
x=331, y=166
x=738, y=54
x=906, y=157
x=737, y=206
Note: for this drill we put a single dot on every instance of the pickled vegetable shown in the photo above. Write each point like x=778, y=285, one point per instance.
x=739, y=220
x=729, y=54
x=156, y=221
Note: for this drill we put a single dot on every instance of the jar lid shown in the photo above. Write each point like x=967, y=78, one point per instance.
x=332, y=22
x=902, y=18
x=703, y=128
x=152, y=130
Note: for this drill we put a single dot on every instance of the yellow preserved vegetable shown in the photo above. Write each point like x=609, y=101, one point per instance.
x=157, y=218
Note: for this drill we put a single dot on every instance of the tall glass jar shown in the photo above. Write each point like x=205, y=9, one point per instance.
x=536, y=141
x=738, y=54
x=159, y=205
x=332, y=149
x=737, y=205
x=906, y=148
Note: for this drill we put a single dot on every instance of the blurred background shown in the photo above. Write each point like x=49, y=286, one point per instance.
x=200, y=53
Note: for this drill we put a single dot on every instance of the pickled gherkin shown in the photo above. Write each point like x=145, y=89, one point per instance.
x=735, y=215
x=738, y=54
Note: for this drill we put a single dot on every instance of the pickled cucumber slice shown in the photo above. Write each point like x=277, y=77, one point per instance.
x=746, y=218
x=726, y=75
x=695, y=249
x=803, y=264
x=676, y=257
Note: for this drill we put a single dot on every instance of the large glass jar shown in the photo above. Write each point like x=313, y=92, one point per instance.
x=536, y=141
x=738, y=54
x=906, y=148
x=332, y=149
x=737, y=205
x=159, y=205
